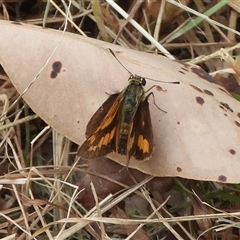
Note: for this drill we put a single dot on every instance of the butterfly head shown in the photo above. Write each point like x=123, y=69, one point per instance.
x=137, y=80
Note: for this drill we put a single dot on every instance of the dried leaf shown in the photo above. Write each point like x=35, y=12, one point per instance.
x=197, y=138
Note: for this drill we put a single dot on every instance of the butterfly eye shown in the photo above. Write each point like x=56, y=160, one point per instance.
x=143, y=81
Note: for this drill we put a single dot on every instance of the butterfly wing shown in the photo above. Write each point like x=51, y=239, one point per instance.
x=100, y=115
x=101, y=136
x=140, y=138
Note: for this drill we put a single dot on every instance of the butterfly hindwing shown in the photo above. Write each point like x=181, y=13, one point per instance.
x=140, y=140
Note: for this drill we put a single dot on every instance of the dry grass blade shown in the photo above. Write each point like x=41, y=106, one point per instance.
x=43, y=184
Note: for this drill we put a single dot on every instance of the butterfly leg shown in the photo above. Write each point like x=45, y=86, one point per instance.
x=151, y=93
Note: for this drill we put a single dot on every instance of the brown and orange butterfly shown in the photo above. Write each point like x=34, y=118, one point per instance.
x=122, y=124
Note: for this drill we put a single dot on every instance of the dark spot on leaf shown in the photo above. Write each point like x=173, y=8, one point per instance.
x=159, y=88
x=222, y=107
x=56, y=68
x=237, y=123
x=225, y=114
x=185, y=65
x=238, y=115
x=178, y=123
x=17, y=23
x=184, y=69
x=196, y=88
x=181, y=72
x=200, y=100
x=202, y=74
x=225, y=106
x=222, y=178
x=233, y=152
x=223, y=90
x=179, y=169
x=208, y=92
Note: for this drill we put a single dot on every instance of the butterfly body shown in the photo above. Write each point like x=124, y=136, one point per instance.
x=132, y=96
x=122, y=125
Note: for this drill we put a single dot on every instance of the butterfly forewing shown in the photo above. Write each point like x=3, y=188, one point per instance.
x=98, y=118
x=101, y=129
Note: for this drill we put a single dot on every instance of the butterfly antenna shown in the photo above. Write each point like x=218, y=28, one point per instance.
x=111, y=51
x=161, y=81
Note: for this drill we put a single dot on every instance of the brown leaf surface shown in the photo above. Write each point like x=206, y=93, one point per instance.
x=109, y=177
x=197, y=138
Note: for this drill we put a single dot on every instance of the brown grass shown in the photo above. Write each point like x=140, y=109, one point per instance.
x=39, y=190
